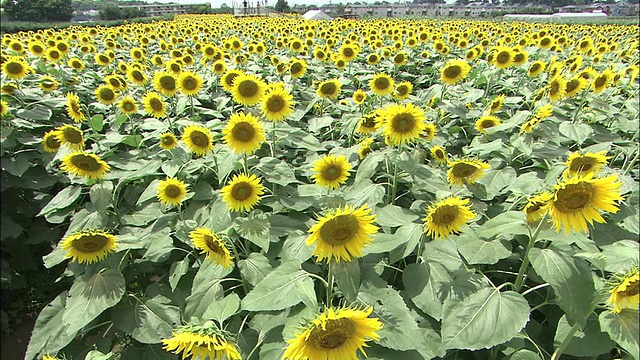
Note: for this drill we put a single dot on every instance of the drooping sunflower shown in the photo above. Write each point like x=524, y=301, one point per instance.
x=402, y=90
x=128, y=105
x=466, y=171
x=364, y=147
x=189, y=83
x=487, y=122
x=171, y=191
x=242, y=192
x=154, y=105
x=165, y=83
x=168, y=141
x=359, y=96
x=331, y=171
x=50, y=142
x=334, y=334
x=244, y=133
x=578, y=200
x=624, y=291
x=602, y=81
x=402, y=123
x=71, y=136
x=536, y=68
x=496, y=104
x=447, y=216
x=202, y=342
x=198, y=139
x=48, y=83
x=89, y=246
x=581, y=164
x=210, y=244
x=439, y=154
x=454, y=71
x=342, y=233
x=557, y=88
x=536, y=207
x=73, y=108
x=381, y=84
x=137, y=76
x=329, y=89
x=368, y=123
x=85, y=164
x=276, y=104
x=574, y=86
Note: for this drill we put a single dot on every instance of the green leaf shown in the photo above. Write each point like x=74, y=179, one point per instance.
x=524, y=354
x=478, y=251
x=276, y=171
x=155, y=320
x=526, y=184
x=576, y=132
x=100, y=194
x=426, y=285
x=386, y=242
x=570, y=279
x=64, y=198
x=223, y=309
x=392, y=215
x=97, y=122
x=295, y=247
x=486, y=318
x=254, y=268
x=203, y=191
x=623, y=329
x=367, y=167
x=36, y=112
x=177, y=270
x=49, y=333
x=621, y=255
x=206, y=289
x=90, y=295
x=590, y=342
x=507, y=224
x=263, y=322
x=255, y=228
x=285, y=286
x=364, y=192
x=227, y=161
x=98, y=355
x=160, y=244
x=272, y=351
x=347, y=275
x=443, y=252
x=496, y=182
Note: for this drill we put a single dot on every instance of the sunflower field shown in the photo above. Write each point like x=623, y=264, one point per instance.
x=278, y=188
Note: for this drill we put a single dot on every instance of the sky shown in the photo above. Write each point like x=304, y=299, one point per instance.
x=217, y=3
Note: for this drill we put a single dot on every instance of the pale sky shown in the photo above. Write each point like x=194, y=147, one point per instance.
x=217, y=3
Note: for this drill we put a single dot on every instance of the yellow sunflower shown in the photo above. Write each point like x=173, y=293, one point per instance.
x=577, y=201
x=536, y=207
x=168, y=141
x=242, y=192
x=276, y=104
x=165, y=83
x=105, y=95
x=454, y=71
x=171, y=191
x=402, y=90
x=602, y=81
x=342, y=233
x=368, y=123
x=447, y=217
x=50, y=141
x=381, y=84
x=557, y=88
x=331, y=171
x=624, y=291
x=16, y=68
x=89, y=246
x=73, y=108
x=536, y=68
x=244, y=133
x=329, y=89
x=201, y=342
x=297, y=68
x=137, y=76
x=154, y=105
x=359, y=96
x=229, y=78
x=189, y=83
x=210, y=244
x=581, y=164
x=334, y=334
x=70, y=136
x=466, y=171
x=439, y=154
x=364, y=147
x=128, y=105
x=219, y=67
x=496, y=104
x=248, y=89
x=348, y=52
x=198, y=139
x=503, y=57
x=85, y=164
x=47, y=84
x=574, y=86
x=402, y=123
x=487, y=122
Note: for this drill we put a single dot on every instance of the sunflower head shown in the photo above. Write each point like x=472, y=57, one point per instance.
x=189, y=83
x=536, y=207
x=297, y=68
x=165, y=83
x=487, y=122
x=329, y=89
x=244, y=133
x=359, y=96
x=368, y=123
x=381, y=84
x=243, y=192
x=439, y=154
x=247, y=89
x=74, y=108
x=276, y=104
x=50, y=141
x=198, y=139
x=454, y=71
x=212, y=246
x=402, y=123
x=71, y=136
x=447, y=217
x=154, y=105
x=206, y=341
x=585, y=163
x=85, y=164
x=171, y=191
x=623, y=290
x=331, y=171
x=466, y=171
x=89, y=246
x=402, y=90
x=168, y=141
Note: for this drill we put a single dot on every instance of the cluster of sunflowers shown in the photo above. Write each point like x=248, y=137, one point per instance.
x=385, y=91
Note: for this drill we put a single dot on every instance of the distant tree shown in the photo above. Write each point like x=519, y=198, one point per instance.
x=130, y=13
x=200, y=9
x=282, y=6
x=110, y=12
x=340, y=9
x=43, y=10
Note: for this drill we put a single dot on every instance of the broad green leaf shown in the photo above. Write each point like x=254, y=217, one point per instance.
x=386, y=242
x=100, y=194
x=524, y=354
x=36, y=112
x=255, y=228
x=50, y=332
x=276, y=171
x=97, y=355
x=295, y=247
x=478, y=251
x=160, y=244
x=507, y=224
x=526, y=184
x=496, y=181
x=623, y=329
x=254, y=268
x=588, y=342
x=96, y=122
x=263, y=322
x=367, y=167
x=151, y=192
x=143, y=216
x=272, y=351
x=90, y=295
x=347, y=275
x=285, y=286
x=426, y=285
x=223, y=309
x=64, y=198
x=203, y=191
x=392, y=215
x=443, y=252
x=578, y=132
x=570, y=279
x=364, y=192
x=226, y=160
x=484, y=319
x=206, y=288
x=413, y=233
x=621, y=255
x=155, y=320
x=177, y=270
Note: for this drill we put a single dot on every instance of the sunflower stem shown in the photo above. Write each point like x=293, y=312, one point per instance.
x=273, y=140
x=135, y=131
x=525, y=262
x=329, y=283
x=565, y=342
x=244, y=162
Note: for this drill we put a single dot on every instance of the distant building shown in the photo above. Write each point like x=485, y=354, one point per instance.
x=160, y=9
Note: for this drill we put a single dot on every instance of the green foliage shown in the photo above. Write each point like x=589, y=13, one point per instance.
x=43, y=10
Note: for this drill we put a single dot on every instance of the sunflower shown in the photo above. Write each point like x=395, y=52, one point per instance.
x=128, y=105
x=577, y=201
x=76, y=64
x=171, y=191
x=466, y=171
x=137, y=76
x=106, y=95
x=15, y=68
x=348, y=52
x=439, y=154
x=198, y=139
x=454, y=71
x=402, y=90
x=601, y=81
x=359, y=96
x=536, y=68
x=381, y=84
x=244, y=133
x=276, y=104
x=331, y=171
x=297, y=68
x=503, y=58
x=340, y=64
x=228, y=78
x=89, y=246
x=154, y=105
x=487, y=122
x=373, y=58
x=189, y=83
x=70, y=136
x=116, y=82
x=50, y=141
x=536, y=206
x=102, y=59
x=210, y=244
x=496, y=104
x=201, y=342
x=364, y=147
x=574, y=86
x=248, y=89
x=329, y=89
x=165, y=83
x=73, y=108
x=429, y=132
x=242, y=192
x=400, y=58
x=520, y=58
x=168, y=141
x=447, y=216
x=36, y=48
x=581, y=164
x=557, y=88
x=624, y=291
x=368, y=123
x=85, y=164
x=47, y=83
x=334, y=334
x=402, y=123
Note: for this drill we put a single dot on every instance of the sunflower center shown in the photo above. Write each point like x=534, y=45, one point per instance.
x=328, y=89
x=398, y=58
x=102, y=58
x=439, y=154
x=243, y=132
x=600, y=81
x=107, y=94
x=156, y=104
x=339, y=230
x=189, y=83
x=503, y=57
x=452, y=72
x=52, y=142
x=90, y=243
x=402, y=90
x=632, y=289
x=582, y=164
x=572, y=85
x=218, y=67
x=403, y=123
x=172, y=191
x=75, y=106
x=168, y=82
x=463, y=170
x=275, y=103
x=167, y=140
x=248, y=88
x=241, y=191
x=347, y=52
x=487, y=124
x=368, y=122
x=555, y=87
x=15, y=68
x=382, y=83
x=535, y=67
x=199, y=139
x=331, y=172
x=212, y=244
x=86, y=163
x=72, y=135
x=445, y=214
x=137, y=75
x=574, y=197
x=296, y=68
x=336, y=332
x=545, y=42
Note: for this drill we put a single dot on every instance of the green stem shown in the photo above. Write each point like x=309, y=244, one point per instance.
x=329, y=284
x=134, y=129
x=244, y=161
x=394, y=184
x=273, y=140
x=525, y=262
x=565, y=342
